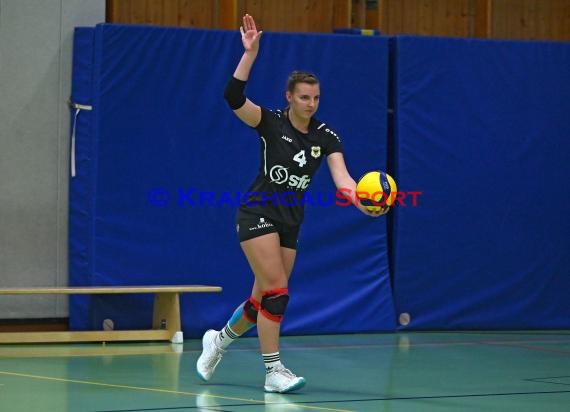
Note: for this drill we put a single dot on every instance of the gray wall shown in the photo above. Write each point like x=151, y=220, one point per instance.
x=35, y=82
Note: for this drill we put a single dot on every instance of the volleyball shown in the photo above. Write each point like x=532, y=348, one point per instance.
x=376, y=190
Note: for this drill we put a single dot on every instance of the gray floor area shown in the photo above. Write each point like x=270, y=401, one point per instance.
x=479, y=371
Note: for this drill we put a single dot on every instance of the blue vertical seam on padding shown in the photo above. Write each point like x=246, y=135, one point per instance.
x=97, y=59
x=391, y=155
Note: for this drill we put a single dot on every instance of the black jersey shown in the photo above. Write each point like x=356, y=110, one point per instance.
x=289, y=159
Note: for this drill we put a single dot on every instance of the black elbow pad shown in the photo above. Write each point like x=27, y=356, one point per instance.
x=234, y=93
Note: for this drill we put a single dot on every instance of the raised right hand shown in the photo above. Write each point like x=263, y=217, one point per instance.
x=249, y=35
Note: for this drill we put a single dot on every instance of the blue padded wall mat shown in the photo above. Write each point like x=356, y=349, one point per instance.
x=482, y=129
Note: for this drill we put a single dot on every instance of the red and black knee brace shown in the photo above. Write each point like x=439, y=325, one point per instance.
x=251, y=308
x=273, y=303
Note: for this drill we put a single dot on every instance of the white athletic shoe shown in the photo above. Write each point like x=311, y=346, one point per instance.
x=282, y=380
x=210, y=357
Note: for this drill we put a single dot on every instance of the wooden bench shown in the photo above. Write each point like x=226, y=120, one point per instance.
x=166, y=323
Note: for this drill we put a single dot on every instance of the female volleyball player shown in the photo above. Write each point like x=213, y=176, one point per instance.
x=293, y=144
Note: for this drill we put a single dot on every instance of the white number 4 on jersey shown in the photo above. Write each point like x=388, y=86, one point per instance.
x=300, y=158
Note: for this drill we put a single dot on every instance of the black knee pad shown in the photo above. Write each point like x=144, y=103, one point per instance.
x=251, y=309
x=273, y=303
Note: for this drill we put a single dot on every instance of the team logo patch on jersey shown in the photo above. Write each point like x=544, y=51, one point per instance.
x=316, y=151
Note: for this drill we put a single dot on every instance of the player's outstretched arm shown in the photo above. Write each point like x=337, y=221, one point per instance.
x=245, y=109
x=343, y=180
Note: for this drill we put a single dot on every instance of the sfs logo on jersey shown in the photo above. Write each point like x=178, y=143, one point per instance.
x=279, y=174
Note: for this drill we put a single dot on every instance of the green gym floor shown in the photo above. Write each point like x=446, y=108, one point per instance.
x=477, y=371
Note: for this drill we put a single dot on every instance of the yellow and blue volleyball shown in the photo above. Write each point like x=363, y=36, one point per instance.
x=376, y=190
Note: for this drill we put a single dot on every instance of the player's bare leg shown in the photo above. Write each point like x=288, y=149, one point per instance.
x=272, y=266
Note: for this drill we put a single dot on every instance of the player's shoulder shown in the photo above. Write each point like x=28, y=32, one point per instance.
x=325, y=130
x=272, y=116
x=270, y=119
x=276, y=113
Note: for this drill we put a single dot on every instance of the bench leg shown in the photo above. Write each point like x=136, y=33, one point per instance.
x=166, y=315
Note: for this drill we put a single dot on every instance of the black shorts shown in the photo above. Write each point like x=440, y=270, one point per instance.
x=250, y=226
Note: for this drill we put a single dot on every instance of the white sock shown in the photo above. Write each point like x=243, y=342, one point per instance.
x=271, y=360
x=225, y=337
